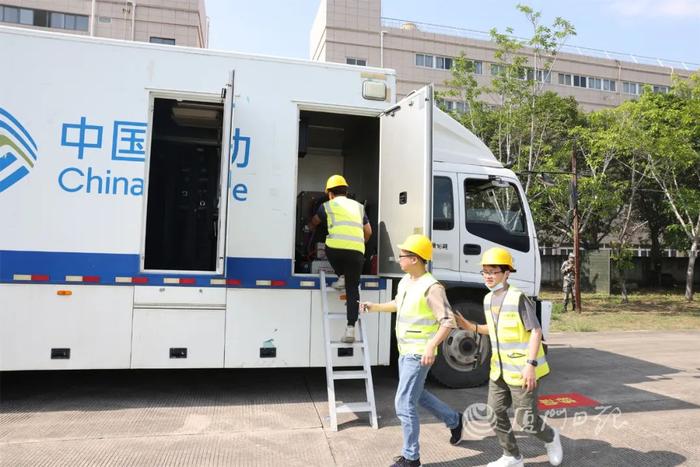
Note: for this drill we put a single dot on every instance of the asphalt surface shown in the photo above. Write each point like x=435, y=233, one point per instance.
x=647, y=385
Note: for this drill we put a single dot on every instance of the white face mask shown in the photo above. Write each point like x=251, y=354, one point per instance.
x=496, y=287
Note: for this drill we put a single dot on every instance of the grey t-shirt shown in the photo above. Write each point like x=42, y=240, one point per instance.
x=526, y=309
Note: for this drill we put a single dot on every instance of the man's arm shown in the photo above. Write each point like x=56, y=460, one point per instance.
x=367, y=230
x=314, y=222
x=528, y=315
x=428, y=357
x=387, y=307
x=533, y=347
x=442, y=311
x=463, y=323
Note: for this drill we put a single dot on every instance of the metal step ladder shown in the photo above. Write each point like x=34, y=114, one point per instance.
x=332, y=375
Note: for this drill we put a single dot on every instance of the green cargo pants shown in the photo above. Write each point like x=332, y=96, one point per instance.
x=524, y=403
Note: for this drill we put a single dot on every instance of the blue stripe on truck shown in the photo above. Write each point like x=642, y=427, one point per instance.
x=108, y=266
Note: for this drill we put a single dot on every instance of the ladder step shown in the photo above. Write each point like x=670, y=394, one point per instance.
x=352, y=407
x=342, y=345
x=350, y=374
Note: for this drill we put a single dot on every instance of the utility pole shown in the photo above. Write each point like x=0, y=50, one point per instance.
x=577, y=253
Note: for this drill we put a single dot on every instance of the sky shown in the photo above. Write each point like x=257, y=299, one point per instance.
x=667, y=29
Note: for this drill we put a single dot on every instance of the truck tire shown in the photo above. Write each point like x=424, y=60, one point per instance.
x=463, y=358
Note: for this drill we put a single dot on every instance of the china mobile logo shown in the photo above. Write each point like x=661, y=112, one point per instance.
x=18, y=151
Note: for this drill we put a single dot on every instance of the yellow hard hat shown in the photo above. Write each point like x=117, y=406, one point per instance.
x=335, y=181
x=497, y=256
x=418, y=244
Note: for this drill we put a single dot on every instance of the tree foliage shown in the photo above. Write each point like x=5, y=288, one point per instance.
x=639, y=163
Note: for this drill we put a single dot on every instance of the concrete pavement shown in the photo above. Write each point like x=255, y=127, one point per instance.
x=647, y=384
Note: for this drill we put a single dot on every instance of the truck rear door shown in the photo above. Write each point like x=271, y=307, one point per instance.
x=405, y=175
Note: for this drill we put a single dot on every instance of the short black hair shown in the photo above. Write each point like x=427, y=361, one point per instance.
x=502, y=267
x=339, y=190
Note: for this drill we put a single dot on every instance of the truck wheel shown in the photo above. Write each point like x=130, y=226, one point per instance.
x=463, y=358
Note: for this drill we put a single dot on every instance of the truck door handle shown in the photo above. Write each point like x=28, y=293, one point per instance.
x=471, y=249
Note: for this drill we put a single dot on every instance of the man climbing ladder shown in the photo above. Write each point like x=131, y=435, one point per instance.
x=348, y=231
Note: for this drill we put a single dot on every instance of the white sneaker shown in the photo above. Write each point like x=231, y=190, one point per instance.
x=339, y=284
x=507, y=461
x=554, y=450
x=349, y=336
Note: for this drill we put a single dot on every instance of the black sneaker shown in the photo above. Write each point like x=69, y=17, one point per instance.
x=456, y=432
x=401, y=461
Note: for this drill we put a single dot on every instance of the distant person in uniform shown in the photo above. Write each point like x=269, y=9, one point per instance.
x=568, y=272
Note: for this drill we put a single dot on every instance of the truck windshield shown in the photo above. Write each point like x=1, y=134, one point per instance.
x=494, y=211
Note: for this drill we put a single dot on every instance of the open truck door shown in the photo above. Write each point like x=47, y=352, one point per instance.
x=405, y=175
x=189, y=147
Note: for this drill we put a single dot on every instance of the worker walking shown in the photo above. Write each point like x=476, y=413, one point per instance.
x=424, y=320
x=517, y=360
x=348, y=231
x=568, y=271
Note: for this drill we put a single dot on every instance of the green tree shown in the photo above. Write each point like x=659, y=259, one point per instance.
x=672, y=123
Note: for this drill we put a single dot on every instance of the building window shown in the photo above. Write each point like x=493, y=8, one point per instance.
x=57, y=20
x=356, y=61
x=443, y=63
x=580, y=81
x=11, y=14
x=609, y=85
x=43, y=18
x=424, y=60
x=631, y=88
x=475, y=66
x=161, y=40
x=26, y=16
x=564, y=79
x=454, y=106
x=661, y=89
x=497, y=70
x=543, y=76
x=431, y=61
x=595, y=83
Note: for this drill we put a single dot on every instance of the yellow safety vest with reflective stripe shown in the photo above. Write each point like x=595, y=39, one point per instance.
x=509, y=341
x=345, y=230
x=415, y=321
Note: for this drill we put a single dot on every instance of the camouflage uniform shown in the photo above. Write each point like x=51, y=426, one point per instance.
x=568, y=272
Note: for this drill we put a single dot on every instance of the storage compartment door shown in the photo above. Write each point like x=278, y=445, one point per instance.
x=405, y=175
x=64, y=327
x=178, y=338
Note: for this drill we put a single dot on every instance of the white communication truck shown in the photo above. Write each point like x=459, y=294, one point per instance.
x=153, y=199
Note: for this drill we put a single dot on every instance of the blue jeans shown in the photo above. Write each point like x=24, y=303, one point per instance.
x=409, y=394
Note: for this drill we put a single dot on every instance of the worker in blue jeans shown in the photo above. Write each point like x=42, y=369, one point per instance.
x=424, y=320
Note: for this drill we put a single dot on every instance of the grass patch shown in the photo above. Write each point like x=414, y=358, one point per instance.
x=658, y=311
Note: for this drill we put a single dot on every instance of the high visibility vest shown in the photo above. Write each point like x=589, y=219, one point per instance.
x=345, y=229
x=415, y=321
x=509, y=341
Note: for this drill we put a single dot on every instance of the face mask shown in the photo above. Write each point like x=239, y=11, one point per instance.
x=496, y=287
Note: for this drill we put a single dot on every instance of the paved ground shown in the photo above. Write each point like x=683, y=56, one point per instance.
x=648, y=384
